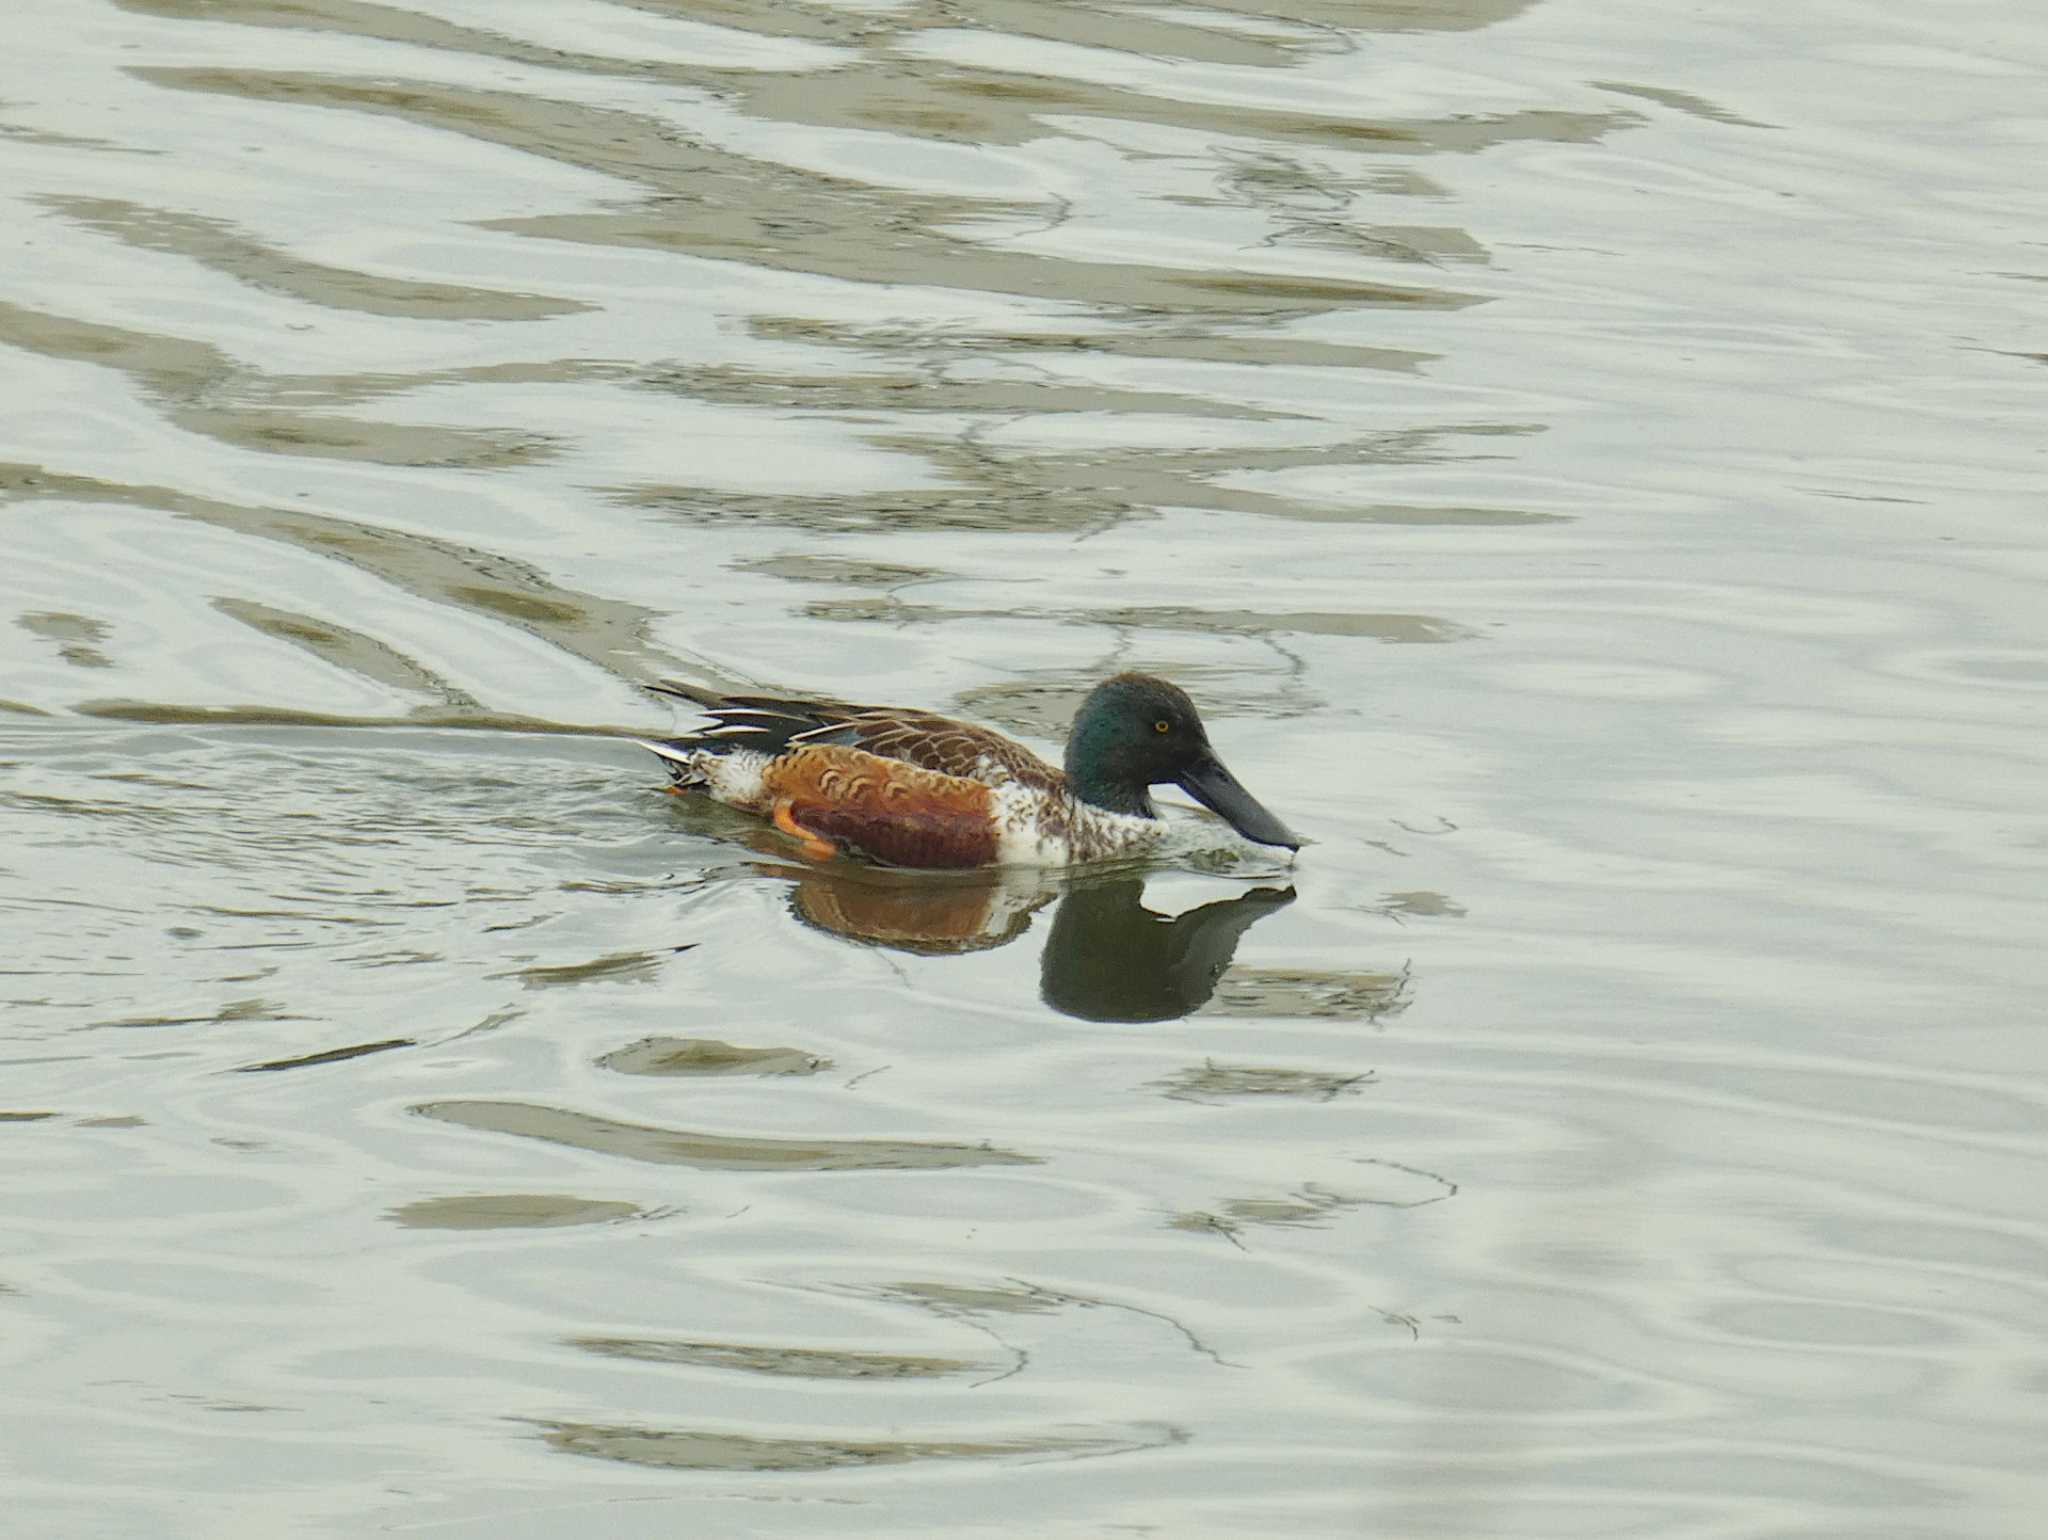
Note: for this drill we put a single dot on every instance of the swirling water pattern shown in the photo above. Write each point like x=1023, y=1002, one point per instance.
x=1585, y=459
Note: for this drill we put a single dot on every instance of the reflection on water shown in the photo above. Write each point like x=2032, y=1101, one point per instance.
x=327, y=1056
x=932, y=914
x=707, y=1056
x=1105, y=957
x=508, y=1210
x=701, y=1450
x=1109, y=958
x=799, y=1363
x=680, y=1147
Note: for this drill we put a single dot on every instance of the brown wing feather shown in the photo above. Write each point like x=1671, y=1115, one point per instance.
x=773, y=723
x=946, y=745
x=890, y=809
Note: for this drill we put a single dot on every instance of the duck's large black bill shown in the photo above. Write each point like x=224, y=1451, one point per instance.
x=1217, y=789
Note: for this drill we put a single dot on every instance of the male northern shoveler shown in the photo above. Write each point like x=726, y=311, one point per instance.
x=913, y=789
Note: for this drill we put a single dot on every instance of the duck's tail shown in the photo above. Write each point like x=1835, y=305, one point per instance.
x=766, y=724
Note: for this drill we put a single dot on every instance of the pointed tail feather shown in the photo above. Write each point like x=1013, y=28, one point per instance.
x=763, y=722
x=695, y=694
x=678, y=759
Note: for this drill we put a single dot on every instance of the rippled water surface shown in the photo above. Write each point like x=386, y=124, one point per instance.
x=1585, y=459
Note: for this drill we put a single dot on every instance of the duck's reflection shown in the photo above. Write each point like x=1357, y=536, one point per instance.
x=1107, y=957
x=927, y=912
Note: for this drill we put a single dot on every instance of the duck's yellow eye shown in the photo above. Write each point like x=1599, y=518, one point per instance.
x=1162, y=727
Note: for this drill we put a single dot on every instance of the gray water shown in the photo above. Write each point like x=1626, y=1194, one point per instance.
x=1584, y=458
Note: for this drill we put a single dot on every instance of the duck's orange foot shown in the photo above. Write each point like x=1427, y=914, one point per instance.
x=816, y=846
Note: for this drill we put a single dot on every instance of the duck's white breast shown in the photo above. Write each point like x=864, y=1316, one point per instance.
x=1034, y=830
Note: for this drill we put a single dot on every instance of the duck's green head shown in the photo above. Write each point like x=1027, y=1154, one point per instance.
x=1134, y=732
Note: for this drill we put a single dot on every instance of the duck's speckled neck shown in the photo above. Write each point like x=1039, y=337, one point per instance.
x=1035, y=830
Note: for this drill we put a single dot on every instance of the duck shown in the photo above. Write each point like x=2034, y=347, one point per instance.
x=911, y=788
